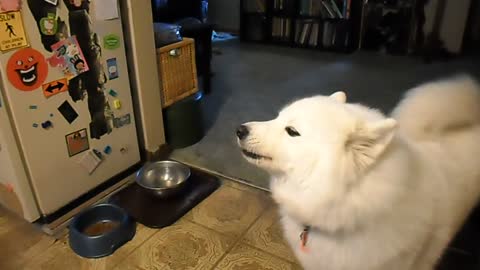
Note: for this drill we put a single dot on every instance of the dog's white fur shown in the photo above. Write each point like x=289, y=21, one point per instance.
x=380, y=193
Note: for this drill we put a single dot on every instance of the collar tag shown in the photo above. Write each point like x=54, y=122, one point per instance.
x=304, y=239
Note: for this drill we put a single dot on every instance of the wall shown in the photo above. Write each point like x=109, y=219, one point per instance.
x=453, y=24
x=225, y=13
x=142, y=59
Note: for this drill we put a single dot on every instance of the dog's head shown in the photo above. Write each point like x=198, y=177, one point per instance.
x=322, y=134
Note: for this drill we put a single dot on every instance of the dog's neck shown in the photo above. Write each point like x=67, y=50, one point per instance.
x=334, y=209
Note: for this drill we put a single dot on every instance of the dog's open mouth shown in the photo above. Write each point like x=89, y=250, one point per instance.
x=254, y=155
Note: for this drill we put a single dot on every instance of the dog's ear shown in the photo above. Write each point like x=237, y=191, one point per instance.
x=369, y=141
x=340, y=96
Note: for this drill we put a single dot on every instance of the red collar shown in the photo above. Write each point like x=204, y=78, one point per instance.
x=304, y=239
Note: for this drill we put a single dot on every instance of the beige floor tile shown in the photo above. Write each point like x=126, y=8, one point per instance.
x=267, y=235
x=244, y=257
x=184, y=245
x=244, y=187
x=60, y=256
x=19, y=241
x=229, y=210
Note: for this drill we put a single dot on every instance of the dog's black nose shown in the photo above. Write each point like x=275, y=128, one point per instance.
x=242, y=132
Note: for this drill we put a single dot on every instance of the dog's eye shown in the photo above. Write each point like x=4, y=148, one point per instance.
x=292, y=132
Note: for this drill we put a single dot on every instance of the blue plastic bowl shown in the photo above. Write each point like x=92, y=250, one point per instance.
x=100, y=230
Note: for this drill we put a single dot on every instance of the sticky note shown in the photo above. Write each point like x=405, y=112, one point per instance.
x=106, y=9
x=90, y=161
x=117, y=104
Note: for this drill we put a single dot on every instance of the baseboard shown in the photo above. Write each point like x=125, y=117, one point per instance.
x=228, y=30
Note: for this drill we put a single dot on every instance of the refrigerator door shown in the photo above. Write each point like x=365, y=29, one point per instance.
x=15, y=190
x=72, y=113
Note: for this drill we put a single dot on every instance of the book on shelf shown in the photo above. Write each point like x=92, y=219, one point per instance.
x=327, y=33
x=335, y=35
x=307, y=32
x=347, y=4
x=310, y=7
x=284, y=5
x=328, y=9
x=314, y=35
x=254, y=5
x=281, y=28
x=333, y=9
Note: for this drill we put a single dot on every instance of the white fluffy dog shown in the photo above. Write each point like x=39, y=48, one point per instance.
x=358, y=190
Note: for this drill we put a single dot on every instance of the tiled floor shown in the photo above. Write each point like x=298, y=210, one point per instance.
x=235, y=228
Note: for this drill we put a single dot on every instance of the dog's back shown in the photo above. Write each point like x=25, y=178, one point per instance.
x=441, y=120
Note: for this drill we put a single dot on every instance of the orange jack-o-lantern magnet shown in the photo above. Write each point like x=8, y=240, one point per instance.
x=27, y=69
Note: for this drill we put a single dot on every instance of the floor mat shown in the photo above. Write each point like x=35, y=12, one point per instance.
x=158, y=213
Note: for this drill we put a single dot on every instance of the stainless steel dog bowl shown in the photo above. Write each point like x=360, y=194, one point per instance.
x=164, y=178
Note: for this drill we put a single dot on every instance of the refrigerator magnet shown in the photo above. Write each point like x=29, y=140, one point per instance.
x=77, y=142
x=69, y=56
x=13, y=35
x=107, y=150
x=113, y=93
x=47, y=125
x=112, y=68
x=10, y=5
x=121, y=121
x=54, y=87
x=68, y=112
x=117, y=104
x=48, y=25
x=27, y=69
x=111, y=42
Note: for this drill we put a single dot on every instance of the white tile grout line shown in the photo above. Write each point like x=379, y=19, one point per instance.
x=239, y=180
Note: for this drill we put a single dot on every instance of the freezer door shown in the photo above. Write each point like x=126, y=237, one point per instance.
x=70, y=100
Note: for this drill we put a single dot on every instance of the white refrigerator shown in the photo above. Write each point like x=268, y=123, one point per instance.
x=67, y=126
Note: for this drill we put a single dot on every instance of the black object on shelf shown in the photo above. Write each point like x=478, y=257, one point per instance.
x=319, y=24
x=388, y=25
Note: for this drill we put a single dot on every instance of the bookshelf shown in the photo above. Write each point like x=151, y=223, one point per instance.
x=316, y=24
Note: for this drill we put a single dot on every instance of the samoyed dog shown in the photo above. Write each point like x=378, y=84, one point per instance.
x=359, y=190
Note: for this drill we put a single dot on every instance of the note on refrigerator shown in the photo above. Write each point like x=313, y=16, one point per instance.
x=106, y=9
x=90, y=161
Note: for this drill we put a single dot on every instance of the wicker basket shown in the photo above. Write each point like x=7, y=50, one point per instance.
x=177, y=71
